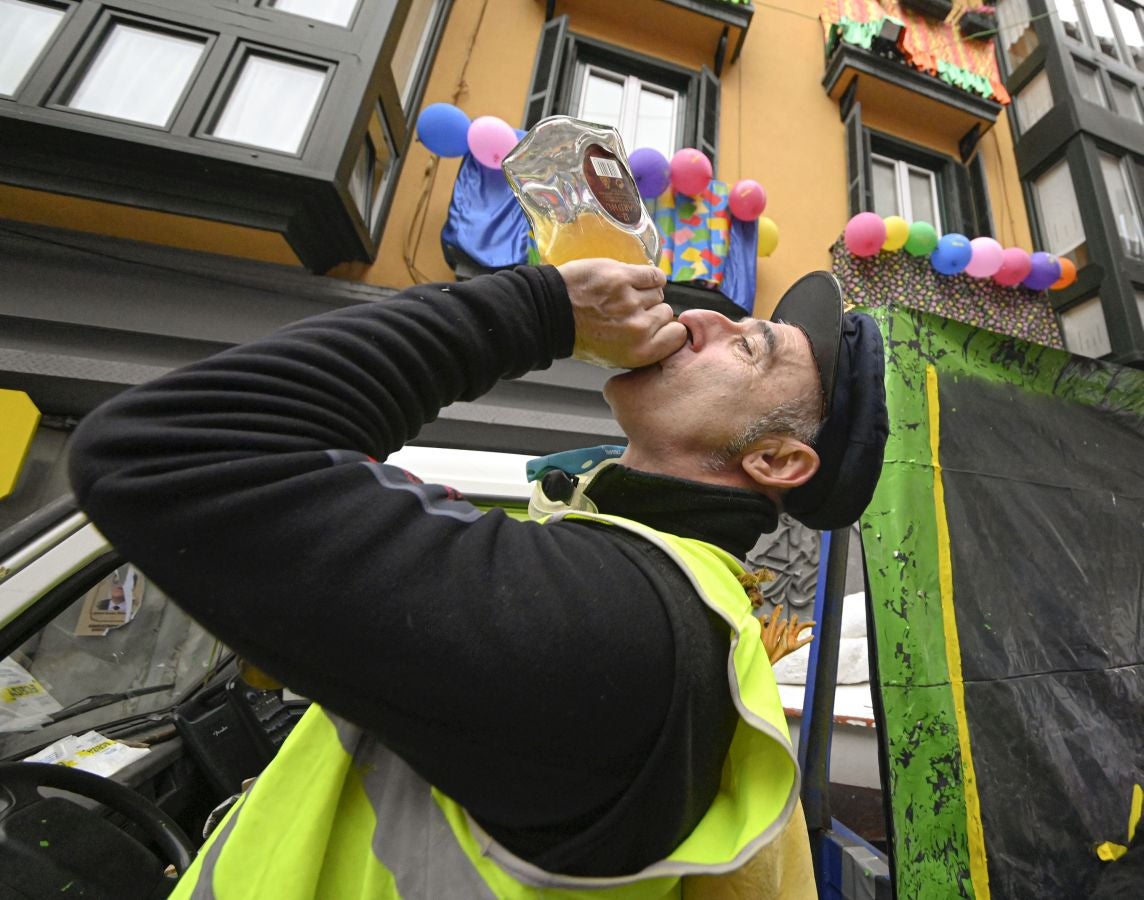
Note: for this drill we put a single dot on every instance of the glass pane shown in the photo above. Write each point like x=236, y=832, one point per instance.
x=1018, y=39
x=1035, y=99
x=336, y=12
x=1123, y=204
x=138, y=74
x=655, y=121
x=1101, y=26
x=1089, y=82
x=271, y=104
x=922, y=207
x=410, y=50
x=1086, y=332
x=1069, y=18
x=1130, y=31
x=25, y=29
x=1057, y=210
x=603, y=99
x=1126, y=100
x=360, y=180
x=885, y=178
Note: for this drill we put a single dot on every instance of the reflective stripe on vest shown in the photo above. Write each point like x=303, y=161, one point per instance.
x=338, y=815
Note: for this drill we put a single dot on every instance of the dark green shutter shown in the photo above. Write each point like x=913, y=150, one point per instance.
x=546, y=72
x=969, y=206
x=707, y=116
x=980, y=188
x=858, y=162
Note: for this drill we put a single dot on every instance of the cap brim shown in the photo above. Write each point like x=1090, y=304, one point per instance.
x=814, y=304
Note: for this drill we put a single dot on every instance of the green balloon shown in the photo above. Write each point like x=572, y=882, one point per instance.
x=922, y=239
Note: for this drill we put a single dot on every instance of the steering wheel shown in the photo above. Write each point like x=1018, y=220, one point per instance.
x=49, y=843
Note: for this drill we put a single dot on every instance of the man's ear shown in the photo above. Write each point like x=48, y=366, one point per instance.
x=781, y=463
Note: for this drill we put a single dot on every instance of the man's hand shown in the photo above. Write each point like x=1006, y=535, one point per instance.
x=621, y=319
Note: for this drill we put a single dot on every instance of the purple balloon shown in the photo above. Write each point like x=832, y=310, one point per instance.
x=1044, y=272
x=651, y=171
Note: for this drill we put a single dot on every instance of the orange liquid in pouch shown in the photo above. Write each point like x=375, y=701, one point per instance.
x=587, y=237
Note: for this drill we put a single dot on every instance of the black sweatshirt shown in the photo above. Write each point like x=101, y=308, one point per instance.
x=563, y=683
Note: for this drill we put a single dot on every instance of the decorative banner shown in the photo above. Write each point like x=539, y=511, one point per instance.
x=696, y=233
x=20, y=418
x=1008, y=657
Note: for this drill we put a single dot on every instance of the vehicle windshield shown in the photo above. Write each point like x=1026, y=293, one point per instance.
x=120, y=650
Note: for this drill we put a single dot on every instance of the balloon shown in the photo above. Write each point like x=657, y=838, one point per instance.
x=1068, y=274
x=985, y=258
x=922, y=239
x=651, y=171
x=768, y=236
x=952, y=254
x=1015, y=265
x=690, y=172
x=897, y=233
x=1045, y=270
x=443, y=129
x=490, y=140
x=865, y=234
x=747, y=200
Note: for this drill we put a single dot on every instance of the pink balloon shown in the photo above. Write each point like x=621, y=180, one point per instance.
x=986, y=259
x=1015, y=267
x=747, y=200
x=490, y=140
x=865, y=234
x=690, y=172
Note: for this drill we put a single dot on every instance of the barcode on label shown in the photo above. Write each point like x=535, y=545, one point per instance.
x=607, y=168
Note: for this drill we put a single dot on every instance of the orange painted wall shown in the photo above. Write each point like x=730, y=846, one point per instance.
x=777, y=125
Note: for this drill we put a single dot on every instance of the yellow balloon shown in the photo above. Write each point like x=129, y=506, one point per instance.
x=768, y=236
x=897, y=233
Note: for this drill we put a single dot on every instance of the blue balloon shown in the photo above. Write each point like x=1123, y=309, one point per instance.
x=444, y=129
x=952, y=254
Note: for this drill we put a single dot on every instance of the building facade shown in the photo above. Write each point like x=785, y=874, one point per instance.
x=176, y=178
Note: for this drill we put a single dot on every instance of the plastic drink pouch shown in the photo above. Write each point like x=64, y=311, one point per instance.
x=573, y=181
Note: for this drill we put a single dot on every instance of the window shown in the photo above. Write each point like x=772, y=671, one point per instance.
x=1085, y=330
x=902, y=189
x=1126, y=100
x=1069, y=18
x=650, y=102
x=271, y=104
x=25, y=29
x=1088, y=80
x=138, y=73
x=335, y=12
x=1033, y=101
x=644, y=113
x=1101, y=25
x=1059, y=215
x=890, y=176
x=1015, y=32
x=370, y=173
x=1122, y=197
x=413, y=45
x=1128, y=20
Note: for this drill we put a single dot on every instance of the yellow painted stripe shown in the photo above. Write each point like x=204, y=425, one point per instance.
x=975, y=832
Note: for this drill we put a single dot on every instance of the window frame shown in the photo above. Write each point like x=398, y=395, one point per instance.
x=94, y=41
x=228, y=81
x=557, y=79
x=631, y=84
x=68, y=7
x=904, y=195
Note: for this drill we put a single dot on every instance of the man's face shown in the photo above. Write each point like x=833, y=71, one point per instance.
x=727, y=376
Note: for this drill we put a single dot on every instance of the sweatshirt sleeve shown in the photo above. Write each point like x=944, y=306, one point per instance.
x=523, y=669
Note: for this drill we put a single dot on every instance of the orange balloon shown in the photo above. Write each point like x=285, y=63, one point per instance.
x=1068, y=274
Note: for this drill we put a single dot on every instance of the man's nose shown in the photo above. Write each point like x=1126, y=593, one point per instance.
x=704, y=325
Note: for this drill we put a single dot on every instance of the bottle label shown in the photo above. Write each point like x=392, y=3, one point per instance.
x=611, y=185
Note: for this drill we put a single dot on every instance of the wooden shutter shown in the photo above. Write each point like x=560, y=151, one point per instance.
x=707, y=115
x=858, y=162
x=546, y=72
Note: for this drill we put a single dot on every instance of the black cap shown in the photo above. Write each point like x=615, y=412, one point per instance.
x=851, y=440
